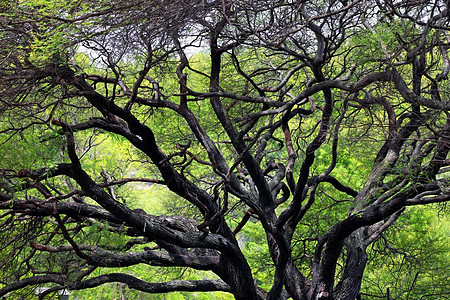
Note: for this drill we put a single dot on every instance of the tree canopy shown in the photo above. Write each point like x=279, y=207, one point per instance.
x=259, y=148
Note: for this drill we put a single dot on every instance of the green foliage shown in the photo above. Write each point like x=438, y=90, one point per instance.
x=257, y=253
x=412, y=258
x=21, y=150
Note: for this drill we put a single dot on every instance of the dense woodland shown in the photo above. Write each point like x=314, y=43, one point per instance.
x=220, y=149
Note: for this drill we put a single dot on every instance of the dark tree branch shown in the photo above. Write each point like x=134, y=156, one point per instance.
x=260, y=97
x=131, y=281
x=106, y=258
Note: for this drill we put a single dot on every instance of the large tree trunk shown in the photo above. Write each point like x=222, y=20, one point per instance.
x=350, y=283
x=234, y=270
x=296, y=284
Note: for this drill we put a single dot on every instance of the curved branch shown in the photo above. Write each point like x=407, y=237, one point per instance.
x=151, y=228
x=32, y=281
x=339, y=186
x=412, y=98
x=144, y=139
x=378, y=228
x=44, y=173
x=73, y=209
x=333, y=241
x=131, y=281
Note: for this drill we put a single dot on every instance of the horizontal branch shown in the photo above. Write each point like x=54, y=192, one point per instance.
x=153, y=288
x=428, y=199
x=66, y=169
x=35, y=280
x=126, y=180
x=339, y=186
x=45, y=173
x=72, y=209
x=131, y=281
x=106, y=258
x=83, y=210
x=350, y=87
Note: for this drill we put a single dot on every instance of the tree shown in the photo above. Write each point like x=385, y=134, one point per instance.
x=321, y=120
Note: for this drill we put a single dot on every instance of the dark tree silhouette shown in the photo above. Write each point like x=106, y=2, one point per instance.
x=278, y=84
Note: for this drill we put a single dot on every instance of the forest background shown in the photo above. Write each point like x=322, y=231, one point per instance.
x=225, y=149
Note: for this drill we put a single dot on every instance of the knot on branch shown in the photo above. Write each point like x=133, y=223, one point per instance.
x=24, y=174
x=61, y=124
x=61, y=72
